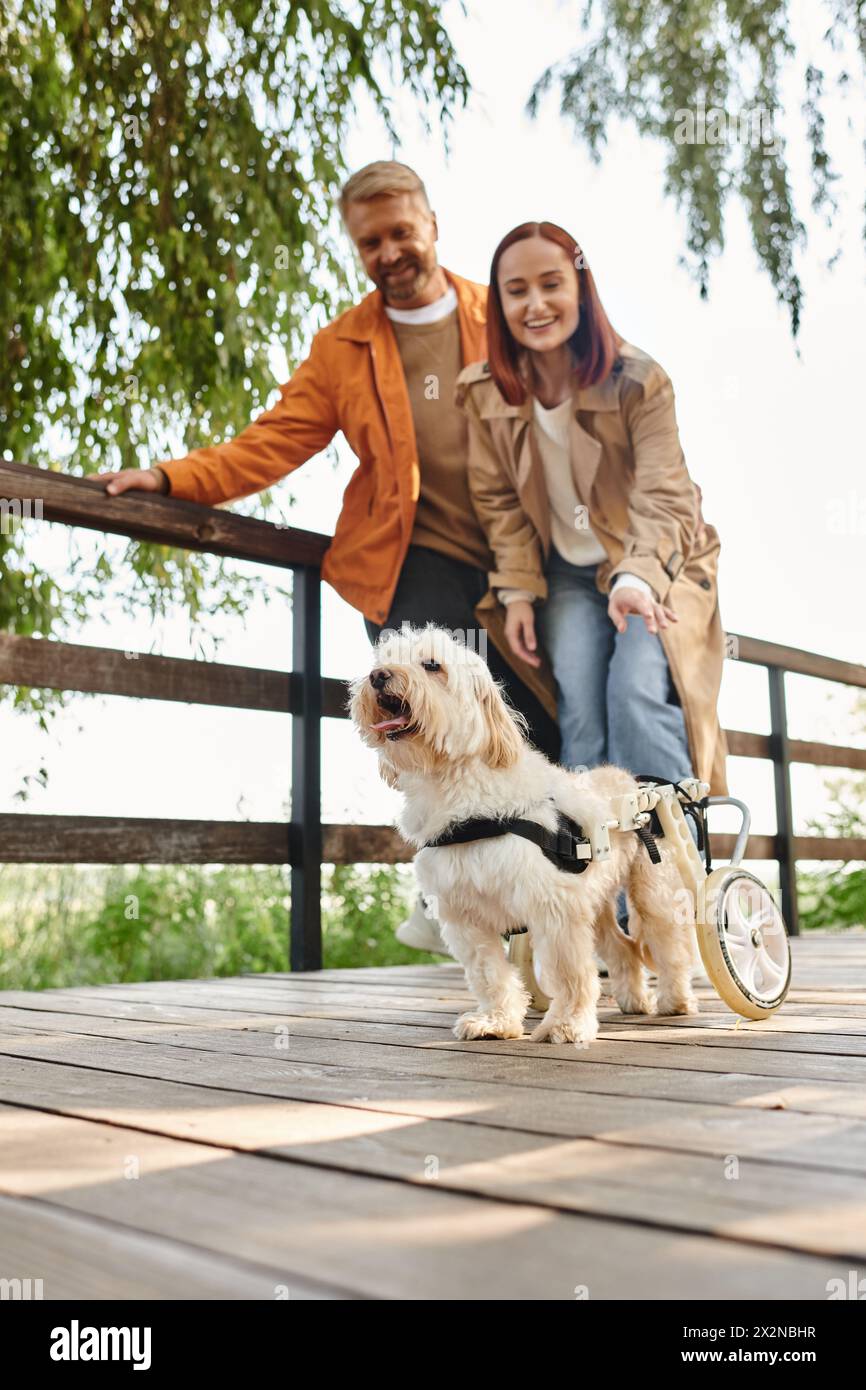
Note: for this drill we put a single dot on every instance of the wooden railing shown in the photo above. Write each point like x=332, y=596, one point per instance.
x=304, y=843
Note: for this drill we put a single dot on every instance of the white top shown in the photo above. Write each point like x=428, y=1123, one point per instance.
x=428, y=313
x=570, y=530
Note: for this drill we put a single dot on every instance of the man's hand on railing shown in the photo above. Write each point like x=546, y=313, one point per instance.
x=139, y=479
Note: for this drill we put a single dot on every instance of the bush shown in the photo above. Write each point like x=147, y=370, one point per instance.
x=835, y=898
x=62, y=926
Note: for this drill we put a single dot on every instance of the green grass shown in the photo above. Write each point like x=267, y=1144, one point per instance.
x=81, y=925
x=62, y=926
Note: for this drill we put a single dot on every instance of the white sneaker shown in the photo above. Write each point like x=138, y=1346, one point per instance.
x=422, y=932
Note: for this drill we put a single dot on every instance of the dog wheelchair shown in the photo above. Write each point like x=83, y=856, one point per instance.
x=741, y=933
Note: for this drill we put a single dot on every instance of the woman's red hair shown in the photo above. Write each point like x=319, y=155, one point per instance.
x=594, y=342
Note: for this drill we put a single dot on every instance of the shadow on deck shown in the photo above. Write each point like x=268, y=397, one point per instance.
x=325, y=1136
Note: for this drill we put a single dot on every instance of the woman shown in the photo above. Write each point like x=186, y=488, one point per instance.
x=577, y=475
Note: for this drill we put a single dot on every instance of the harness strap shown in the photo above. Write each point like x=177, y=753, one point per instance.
x=647, y=839
x=562, y=847
x=696, y=810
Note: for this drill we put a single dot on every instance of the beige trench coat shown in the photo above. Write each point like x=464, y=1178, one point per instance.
x=630, y=473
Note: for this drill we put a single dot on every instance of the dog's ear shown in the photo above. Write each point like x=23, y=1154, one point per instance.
x=504, y=738
x=390, y=776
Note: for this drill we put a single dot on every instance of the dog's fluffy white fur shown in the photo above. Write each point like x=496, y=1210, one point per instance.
x=456, y=750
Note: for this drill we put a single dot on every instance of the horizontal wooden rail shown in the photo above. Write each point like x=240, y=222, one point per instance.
x=77, y=501
x=54, y=665
x=105, y=671
x=37, y=839
x=149, y=516
x=800, y=663
x=745, y=745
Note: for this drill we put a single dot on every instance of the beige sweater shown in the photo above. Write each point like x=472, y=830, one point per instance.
x=445, y=519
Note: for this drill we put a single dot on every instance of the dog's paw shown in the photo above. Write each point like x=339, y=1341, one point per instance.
x=491, y=1025
x=671, y=1005
x=581, y=1030
x=632, y=1003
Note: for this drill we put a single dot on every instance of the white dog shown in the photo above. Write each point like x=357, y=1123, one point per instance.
x=447, y=740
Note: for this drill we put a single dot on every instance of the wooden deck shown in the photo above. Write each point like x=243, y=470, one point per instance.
x=326, y=1135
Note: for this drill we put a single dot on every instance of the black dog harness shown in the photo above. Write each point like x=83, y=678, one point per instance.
x=567, y=847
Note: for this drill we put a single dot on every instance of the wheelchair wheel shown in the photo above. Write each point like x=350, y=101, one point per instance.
x=744, y=943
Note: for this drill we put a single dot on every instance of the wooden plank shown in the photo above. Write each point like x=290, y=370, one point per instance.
x=849, y=963
x=36, y=839
x=390, y=1239
x=795, y=1017
x=22, y=1078
x=478, y=1079
x=348, y=1001
x=489, y=1060
x=758, y=652
x=805, y=847
x=743, y=744
x=99, y=670
x=321, y=1041
x=718, y=1033
x=759, y=847
x=833, y=1035
x=772, y=1203
x=81, y=1257
x=277, y=1000
x=51, y=665
x=448, y=989
x=817, y=1019
x=827, y=755
x=365, y=844
x=75, y=501
x=818, y=1029
x=313, y=1000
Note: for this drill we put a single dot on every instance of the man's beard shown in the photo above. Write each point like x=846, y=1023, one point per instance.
x=396, y=291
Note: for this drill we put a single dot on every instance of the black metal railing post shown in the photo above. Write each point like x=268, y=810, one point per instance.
x=784, y=813
x=305, y=951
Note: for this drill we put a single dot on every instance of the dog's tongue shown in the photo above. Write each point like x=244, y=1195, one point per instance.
x=398, y=722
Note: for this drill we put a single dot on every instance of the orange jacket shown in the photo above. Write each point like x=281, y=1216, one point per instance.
x=352, y=381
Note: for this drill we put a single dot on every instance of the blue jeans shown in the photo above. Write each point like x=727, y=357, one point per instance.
x=617, y=702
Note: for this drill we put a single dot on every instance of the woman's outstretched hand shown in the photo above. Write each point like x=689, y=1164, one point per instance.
x=627, y=600
x=520, y=631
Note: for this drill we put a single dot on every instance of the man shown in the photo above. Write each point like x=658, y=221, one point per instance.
x=407, y=546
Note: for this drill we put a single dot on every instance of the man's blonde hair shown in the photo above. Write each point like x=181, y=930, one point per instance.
x=385, y=177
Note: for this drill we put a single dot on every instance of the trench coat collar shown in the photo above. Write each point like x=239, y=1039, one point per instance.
x=584, y=449
x=604, y=396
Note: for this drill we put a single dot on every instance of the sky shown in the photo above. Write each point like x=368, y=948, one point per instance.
x=774, y=438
